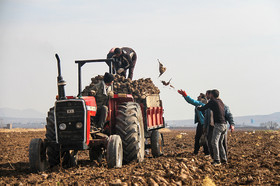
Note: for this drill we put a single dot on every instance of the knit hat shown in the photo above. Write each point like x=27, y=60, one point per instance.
x=108, y=78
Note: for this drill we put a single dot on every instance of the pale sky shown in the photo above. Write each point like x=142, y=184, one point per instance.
x=230, y=45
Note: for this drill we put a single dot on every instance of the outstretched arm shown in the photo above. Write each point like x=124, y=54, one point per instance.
x=189, y=99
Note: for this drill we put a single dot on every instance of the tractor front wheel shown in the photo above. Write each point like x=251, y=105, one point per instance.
x=37, y=155
x=114, y=152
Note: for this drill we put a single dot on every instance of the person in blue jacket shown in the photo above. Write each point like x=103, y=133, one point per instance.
x=199, y=119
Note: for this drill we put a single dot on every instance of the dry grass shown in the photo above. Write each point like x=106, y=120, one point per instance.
x=22, y=130
x=164, y=130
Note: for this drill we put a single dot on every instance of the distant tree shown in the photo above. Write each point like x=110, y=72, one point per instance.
x=270, y=125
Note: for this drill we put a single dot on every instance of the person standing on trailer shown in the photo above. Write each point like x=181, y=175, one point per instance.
x=125, y=59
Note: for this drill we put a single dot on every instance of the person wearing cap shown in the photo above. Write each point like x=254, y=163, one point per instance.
x=125, y=59
x=199, y=119
x=102, y=91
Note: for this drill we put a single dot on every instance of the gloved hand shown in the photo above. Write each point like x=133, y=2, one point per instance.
x=120, y=70
x=182, y=92
x=111, y=94
x=92, y=92
x=231, y=128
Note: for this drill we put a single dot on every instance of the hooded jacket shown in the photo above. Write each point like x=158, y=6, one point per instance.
x=207, y=118
x=199, y=115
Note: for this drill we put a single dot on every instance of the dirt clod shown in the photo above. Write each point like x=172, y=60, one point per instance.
x=247, y=164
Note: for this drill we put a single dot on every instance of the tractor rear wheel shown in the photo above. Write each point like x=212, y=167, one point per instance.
x=114, y=152
x=156, y=143
x=37, y=155
x=129, y=125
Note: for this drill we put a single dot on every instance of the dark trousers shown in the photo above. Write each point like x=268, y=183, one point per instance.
x=130, y=70
x=199, y=132
x=209, y=139
x=101, y=116
x=132, y=66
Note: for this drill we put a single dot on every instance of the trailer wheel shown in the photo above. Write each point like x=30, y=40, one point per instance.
x=95, y=154
x=129, y=125
x=37, y=155
x=114, y=152
x=156, y=143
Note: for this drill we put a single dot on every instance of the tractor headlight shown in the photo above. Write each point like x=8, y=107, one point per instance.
x=62, y=126
x=79, y=125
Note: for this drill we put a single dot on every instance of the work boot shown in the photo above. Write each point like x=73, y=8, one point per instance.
x=216, y=163
x=224, y=162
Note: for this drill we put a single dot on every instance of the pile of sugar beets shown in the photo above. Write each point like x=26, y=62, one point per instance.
x=139, y=89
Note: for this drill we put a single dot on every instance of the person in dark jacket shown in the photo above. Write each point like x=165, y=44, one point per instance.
x=199, y=119
x=220, y=126
x=125, y=59
x=209, y=124
x=102, y=91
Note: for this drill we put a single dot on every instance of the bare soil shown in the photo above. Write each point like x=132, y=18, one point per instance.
x=254, y=158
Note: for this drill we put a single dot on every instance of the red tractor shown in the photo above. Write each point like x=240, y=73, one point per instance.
x=70, y=128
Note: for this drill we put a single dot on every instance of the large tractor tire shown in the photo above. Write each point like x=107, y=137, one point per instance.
x=129, y=126
x=53, y=150
x=114, y=152
x=37, y=155
x=157, y=143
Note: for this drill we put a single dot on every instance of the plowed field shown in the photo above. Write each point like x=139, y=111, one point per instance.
x=254, y=158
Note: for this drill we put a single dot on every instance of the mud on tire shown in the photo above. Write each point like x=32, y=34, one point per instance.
x=129, y=126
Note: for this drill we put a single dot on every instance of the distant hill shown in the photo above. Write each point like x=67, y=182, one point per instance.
x=257, y=119
x=240, y=121
x=16, y=113
x=30, y=118
x=27, y=118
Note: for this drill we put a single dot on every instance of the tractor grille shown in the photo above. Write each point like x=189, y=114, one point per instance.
x=70, y=112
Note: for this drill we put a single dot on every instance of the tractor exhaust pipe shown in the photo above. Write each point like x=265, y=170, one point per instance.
x=60, y=82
